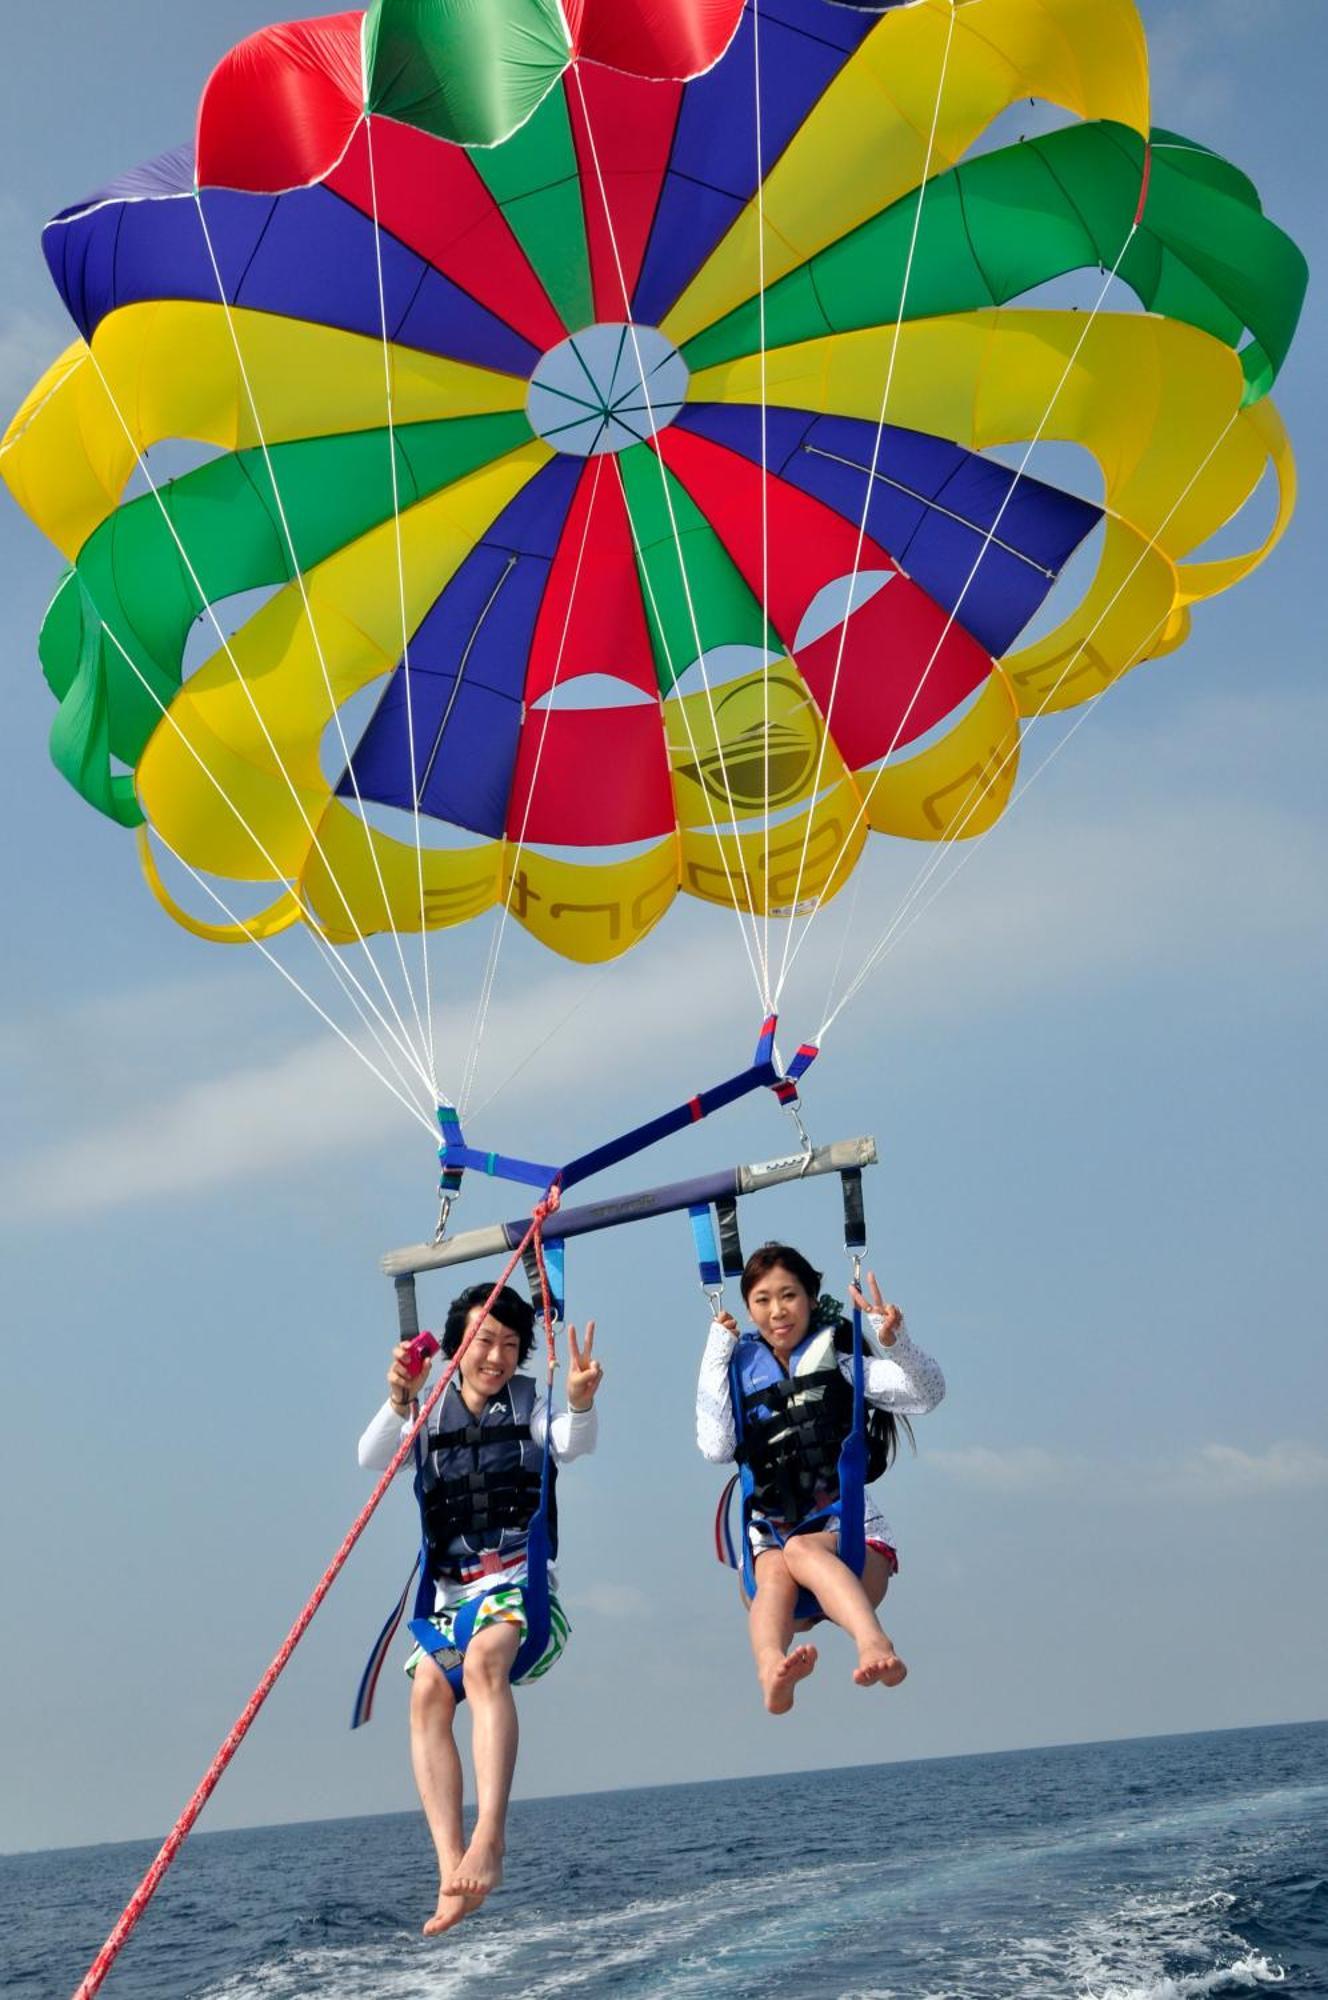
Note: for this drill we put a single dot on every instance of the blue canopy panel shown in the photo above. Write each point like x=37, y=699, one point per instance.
x=307, y=255
x=711, y=175
x=932, y=505
x=467, y=673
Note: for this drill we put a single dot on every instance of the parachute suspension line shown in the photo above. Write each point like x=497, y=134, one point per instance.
x=787, y=956
x=485, y=1000
x=401, y=598
x=209, y=607
x=1089, y=320
x=832, y=985
x=410, y=1103
x=333, y=704
x=752, y=944
x=95, y=1975
x=342, y=971
x=897, y=928
x=550, y=1035
x=765, y=493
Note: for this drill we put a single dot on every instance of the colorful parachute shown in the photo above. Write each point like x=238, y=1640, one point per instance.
x=626, y=427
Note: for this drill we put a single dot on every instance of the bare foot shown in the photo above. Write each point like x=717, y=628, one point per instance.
x=451, y=1909
x=879, y=1665
x=782, y=1676
x=479, y=1870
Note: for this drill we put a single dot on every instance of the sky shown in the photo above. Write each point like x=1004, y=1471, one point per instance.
x=1094, y=1070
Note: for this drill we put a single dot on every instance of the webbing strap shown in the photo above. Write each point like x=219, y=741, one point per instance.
x=449, y=1122
x=761, y=1074
x=707, y=1253
x=855, y=1217
x=502, y=1166
x=555, y=1271
x=730, y=1239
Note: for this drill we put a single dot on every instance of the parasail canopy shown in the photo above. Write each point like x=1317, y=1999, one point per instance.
x=605, y=398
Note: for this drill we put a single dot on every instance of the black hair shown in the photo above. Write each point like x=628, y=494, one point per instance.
x=826, y=1312
x=770, y=1257
x=508, y=1308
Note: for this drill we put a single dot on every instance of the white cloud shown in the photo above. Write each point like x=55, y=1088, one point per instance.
x=1021, y=1469
x=264, y=1116
x=1223, y=1472
x=1209, y=1473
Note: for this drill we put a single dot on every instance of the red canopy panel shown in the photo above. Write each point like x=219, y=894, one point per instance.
x=592, y=620
x=655, y=38
x=603, y=778
x=281, y=105
x=623, y=131
x=901, y=671
x=431, y=198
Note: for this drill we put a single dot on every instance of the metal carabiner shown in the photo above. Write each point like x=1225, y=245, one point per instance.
x=715, y=1294
x=807, y=1147
x=445, y=1200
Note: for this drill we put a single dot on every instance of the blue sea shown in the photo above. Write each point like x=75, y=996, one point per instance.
x=1165, y=1869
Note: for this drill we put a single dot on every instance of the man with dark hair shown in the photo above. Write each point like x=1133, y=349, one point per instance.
x=479, y=1489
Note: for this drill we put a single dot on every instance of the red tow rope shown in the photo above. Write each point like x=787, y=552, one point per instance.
x=179, y=1833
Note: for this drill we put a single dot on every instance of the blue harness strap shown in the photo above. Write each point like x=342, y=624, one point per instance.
x=851, y=1475
x=761, y=1073
x=707, y=1250
x=448, y=1655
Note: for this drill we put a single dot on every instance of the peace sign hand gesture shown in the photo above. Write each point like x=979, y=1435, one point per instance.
x=584, y=1375
x=886, y=1319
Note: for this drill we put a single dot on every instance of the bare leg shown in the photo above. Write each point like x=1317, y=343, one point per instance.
x=437, y=1767
x=812, y=1561
x=770, y=1628
x=488, y=1666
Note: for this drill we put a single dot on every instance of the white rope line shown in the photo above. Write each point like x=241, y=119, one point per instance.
x=401, y=598
x=545, y=1039
x=786, y=955
x=752, y=945
x=979, y=791
x=849, y=920
x=1089, y=320
x=765, y=475
x=485, y=1000
x=899, y=928
x=342, y=971
x=419, y=1116
x=209, y=609
x=298, y=578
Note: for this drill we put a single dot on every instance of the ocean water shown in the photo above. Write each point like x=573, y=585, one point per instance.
x=1174, y=1868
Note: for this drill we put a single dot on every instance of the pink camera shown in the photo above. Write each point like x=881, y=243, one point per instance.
x=421, y=1349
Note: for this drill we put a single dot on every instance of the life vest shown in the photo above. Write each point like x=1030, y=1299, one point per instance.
x=478, y=1480
x=791, y=1426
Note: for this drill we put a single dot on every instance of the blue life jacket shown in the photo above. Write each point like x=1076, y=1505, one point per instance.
x=485, y=1488
x=478, y=1480
x=807, y=1441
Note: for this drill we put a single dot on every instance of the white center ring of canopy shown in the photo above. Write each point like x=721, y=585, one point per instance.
x=606, y=388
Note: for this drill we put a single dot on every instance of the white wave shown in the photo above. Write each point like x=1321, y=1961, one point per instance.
x=1238, y=1977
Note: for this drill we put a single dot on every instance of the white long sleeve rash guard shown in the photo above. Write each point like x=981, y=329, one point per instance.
x=573, y=1434
x=901, y=1378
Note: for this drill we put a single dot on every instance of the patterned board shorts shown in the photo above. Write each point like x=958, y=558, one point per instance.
x=505, y=1607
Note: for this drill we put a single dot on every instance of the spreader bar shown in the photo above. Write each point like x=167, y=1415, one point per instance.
x=499, y=1238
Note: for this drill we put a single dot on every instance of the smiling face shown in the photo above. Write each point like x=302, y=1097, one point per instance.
x=490, y=1361
x=781, y=1309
